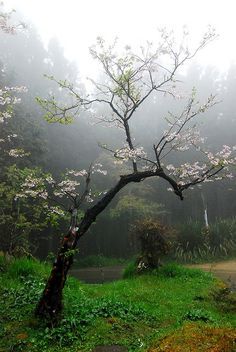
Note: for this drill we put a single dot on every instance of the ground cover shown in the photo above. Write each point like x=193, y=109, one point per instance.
x=140, y=313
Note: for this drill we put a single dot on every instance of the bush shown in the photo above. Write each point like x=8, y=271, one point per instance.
x=154, y=238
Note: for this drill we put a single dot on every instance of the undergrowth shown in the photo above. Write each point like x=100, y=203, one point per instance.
x=134, y=312
x=194, y=242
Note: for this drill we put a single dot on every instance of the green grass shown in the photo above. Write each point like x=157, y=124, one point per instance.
x=135, y=312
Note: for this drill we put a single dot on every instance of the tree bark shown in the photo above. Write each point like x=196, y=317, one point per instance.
x=50, y=305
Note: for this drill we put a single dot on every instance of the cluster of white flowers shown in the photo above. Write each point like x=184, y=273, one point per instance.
x=98, y=168
x=32, y=187
x=6, y=96
x=125, y=154
x=50, y=180
x=182, y=141
x=46, y=188
x=67, y=187
x=224, y=157
x=17, y=153
x=77, y=173
x=32, y=182
x=188, y=172
x=43, y=194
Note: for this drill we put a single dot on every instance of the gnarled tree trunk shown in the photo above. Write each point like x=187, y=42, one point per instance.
x=50, y=305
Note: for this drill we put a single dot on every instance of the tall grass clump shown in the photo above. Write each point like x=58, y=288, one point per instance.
x=196, y=242
x=222, y=237
x=25, y=267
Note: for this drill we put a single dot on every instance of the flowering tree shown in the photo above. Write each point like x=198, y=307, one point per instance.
x=15, y=224
x=9, y=97
x=130, y=80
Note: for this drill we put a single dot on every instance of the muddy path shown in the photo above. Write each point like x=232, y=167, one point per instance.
x=224, y=270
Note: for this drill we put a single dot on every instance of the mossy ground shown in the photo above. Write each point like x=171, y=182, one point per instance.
x=144, y=313
x=198, y=337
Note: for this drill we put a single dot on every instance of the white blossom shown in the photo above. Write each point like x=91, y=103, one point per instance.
x=17, y=153
x=125, y=154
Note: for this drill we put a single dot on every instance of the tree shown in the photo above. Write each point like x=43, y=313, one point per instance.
x=8, y=98
x=130, y=81
x=19, y=217
x=23, y=132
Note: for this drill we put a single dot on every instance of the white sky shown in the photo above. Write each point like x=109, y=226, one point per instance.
x=77, y=23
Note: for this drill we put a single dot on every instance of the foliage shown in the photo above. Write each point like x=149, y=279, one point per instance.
x=168, y=270
x=25, y=268
x=225, y=299
x=171, y=270
x=19, y=217
x=198, y=315
x=133, y=313
x=130, y=270
x=137, y=207
x=154, y=238
x=194, y=241
x=222, y=236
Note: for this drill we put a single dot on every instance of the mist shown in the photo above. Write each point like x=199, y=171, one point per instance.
x=52, y=44
x=117, y=176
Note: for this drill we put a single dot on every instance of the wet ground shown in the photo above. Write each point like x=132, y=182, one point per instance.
x=98, y=275
x=224, y=270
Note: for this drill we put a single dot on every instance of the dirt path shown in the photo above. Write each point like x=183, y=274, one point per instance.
x=224, y=270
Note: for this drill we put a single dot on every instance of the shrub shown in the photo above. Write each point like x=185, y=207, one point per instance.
x=154, y=238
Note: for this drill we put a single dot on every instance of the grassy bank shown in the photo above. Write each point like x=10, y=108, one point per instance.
x=140, y=313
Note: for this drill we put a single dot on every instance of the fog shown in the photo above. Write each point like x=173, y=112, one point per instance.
x=55, y=42
x=76, y=24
